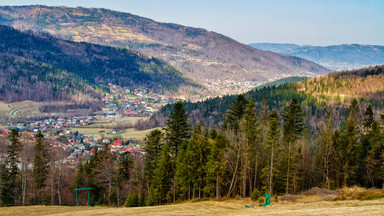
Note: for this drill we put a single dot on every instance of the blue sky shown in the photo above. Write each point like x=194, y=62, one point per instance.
x=314, y=22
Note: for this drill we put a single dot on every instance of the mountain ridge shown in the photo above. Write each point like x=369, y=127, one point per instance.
x=38, y=55
x=200, y=54
x=335, y=57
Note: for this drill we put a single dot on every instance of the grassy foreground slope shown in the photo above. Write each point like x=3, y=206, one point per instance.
x=228, y=207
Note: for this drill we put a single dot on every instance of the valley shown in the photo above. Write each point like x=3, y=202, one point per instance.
x=201, y=55
x=133, y=116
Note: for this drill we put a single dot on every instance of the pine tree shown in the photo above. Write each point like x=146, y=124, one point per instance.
x=153, y=146
x=250, y=153
x=350, y=142
x=368, y=118
x=124, y=164
x=183, y=172
x=11, y=175
x=293, y=118
x=162, y=181
x=40, y=165
x=216, y=166
x=273, y=146
x=178, y=128
x=235, y=114
x=213, y=133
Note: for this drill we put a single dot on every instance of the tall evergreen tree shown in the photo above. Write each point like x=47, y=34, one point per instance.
x=178, y=128
x=350, y=142
x=183, y=172
x=11, y=175
x=216, y=166
x=40, y=165
x=235, y=114
x=293, y=118
x=162, y=181
x=368, y=120
x=153, y=146
x=251, y=148
x=273, y=146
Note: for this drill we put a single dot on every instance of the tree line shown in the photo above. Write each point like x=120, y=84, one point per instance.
x=256, y=150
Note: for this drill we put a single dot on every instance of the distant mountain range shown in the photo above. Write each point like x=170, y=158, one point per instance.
x=40, y=67
x=202, y=55
x=336, y=57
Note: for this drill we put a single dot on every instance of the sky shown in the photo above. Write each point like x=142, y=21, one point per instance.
x=311, y=22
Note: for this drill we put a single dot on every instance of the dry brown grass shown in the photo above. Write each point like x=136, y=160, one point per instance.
x=353, y=193
x=216, y=208
x=4, y=108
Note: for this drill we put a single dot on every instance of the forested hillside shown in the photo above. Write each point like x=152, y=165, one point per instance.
x=280, y=140
x=202, y=55
x=27, y=58
x=315, y=95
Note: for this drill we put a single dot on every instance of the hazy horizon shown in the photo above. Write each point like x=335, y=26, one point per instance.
x=317, y=23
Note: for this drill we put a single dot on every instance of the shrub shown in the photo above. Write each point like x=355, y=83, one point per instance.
x=373, y=196
x=132, y=200
x=352, y=193
x=261, y=200
x=255, y=195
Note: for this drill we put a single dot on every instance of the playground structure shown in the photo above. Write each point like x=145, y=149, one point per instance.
x=267, y=200
x=79, y=189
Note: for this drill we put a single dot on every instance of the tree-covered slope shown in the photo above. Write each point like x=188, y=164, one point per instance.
x=315, y=95
x=26, y=79
x=202, y=55
x=94, y=63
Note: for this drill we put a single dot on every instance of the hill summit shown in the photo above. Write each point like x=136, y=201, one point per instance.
x=204, y=56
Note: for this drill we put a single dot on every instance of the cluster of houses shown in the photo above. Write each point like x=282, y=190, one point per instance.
x=84, y=148
x=55, y=126
x=116, y=104
x=79, y=146
x=133, y=102
x=230, y=87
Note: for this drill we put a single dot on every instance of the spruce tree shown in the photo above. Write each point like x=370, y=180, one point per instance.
x=293, y=118
x=162, y=181
x=235, y=114
x=350, y=142
x=216, y=166
x=178, y=128
x=368, y=118
x=11, y=175
x=182, y=175
x=197, y=152
x=251, y=149
x=273, y=147
x=152, y=148
x=40, y=165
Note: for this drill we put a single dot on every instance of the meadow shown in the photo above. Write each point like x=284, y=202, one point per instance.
x=225, y=207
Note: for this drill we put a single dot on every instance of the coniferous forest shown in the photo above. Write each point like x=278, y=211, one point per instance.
x=257, y=149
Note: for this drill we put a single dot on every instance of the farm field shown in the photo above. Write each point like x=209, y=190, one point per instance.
x=228, y=207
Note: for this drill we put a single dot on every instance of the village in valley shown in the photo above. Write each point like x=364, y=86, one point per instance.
x=81, y=136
